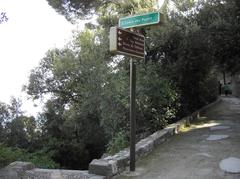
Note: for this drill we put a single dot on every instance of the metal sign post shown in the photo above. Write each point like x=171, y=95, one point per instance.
x=133, y=44
x=132, y=114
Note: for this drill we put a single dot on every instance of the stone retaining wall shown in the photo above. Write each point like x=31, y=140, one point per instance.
x=26, y=170
x=112, y=165
x=59, y=174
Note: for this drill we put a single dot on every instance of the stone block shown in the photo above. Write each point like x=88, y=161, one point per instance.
x=103, y=167
x=171, y=129
x=98, y=177
x=122, y=162
x=21, y=165
x=8, y=174
x=19, y=168
x=159, y=137
x=144, y=147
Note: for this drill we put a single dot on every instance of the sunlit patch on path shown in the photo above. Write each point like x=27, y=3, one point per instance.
x=217, y=137
x=230, y=165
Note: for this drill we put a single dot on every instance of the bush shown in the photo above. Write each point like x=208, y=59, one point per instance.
x=157, y=98
x=39, y=159
x=117, y=143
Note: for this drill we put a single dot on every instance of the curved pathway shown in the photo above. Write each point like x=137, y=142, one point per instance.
x=203, y=151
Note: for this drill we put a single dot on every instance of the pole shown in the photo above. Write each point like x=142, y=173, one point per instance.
x=132, y=114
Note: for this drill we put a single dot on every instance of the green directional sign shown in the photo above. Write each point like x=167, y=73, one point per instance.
x=139, y=20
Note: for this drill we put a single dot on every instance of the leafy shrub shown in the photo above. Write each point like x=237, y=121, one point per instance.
x=39, y=159
x=157, y=98
x=117, y=143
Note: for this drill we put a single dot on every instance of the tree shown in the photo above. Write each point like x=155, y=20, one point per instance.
x=17, y=130
x=15, y=107
x=4, y=117
x=74, y=81
x=74, y=9
x=221, y=23
x=3, y=17
x=16, y=135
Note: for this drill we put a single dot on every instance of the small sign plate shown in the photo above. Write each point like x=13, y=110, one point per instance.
x=126, y=42
x=139, y=20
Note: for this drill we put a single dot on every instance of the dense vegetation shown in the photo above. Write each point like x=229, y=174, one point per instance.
x=20, y=137
x=87, y=88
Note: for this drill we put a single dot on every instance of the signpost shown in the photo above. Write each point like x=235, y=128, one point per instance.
x=133, y=44
x=127, y=42
x=140, y=20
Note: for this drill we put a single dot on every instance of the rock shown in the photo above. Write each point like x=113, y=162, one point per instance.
x=103, y=167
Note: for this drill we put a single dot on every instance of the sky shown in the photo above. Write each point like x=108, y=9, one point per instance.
x=32, y=29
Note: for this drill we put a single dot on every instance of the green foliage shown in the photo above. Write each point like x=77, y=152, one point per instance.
x=20, y=137
x=87, y=111
x=157, y=97
x=88, y=88
x=39, y=159
x=16, y=135
x=4, y=116
x=72, y=9
x=71, y=118
x=208, y=89
x=221, y=22
x=117, y=143
x=17, y=130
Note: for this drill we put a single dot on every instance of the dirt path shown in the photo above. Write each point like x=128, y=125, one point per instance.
x=196, y=153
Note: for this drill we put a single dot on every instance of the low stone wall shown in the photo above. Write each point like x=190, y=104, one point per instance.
x=59, y=174
x=26, y=170
x=15, y=170
x=112, y=165
x=203, y=110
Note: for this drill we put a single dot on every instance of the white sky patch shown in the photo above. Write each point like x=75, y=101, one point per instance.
x=33, y=28
x=159, y=3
